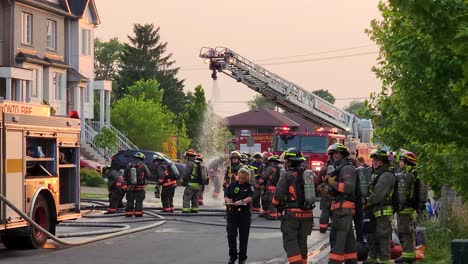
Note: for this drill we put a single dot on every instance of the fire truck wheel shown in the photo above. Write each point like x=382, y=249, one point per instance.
x=42, y=216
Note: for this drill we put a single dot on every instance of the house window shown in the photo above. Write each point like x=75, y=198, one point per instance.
x=26, y=29
x=86, y=93
x=265, y=130
x=51, y=35
x=35, y=84
x=86, y=42
x=57, y=85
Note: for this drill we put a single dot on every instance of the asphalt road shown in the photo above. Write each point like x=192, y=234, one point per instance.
x=173, y=242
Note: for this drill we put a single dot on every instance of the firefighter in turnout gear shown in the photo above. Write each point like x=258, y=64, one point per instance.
x=168, y=181
x=214, y=172
x=270, y=177
x=238, y=197
x=343, y=181
x=231, y=171
x=325, y=197
x=266, y=204
x=255, y=167
x=204, y=172
x=407, y=213
x=379, y=203
x=116, y=186
x=296, y=198
x=135, y=178
x=193, y=181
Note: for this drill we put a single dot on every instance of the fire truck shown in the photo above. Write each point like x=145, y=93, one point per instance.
x=39, y=171
x=313, y=145
x=295, y=99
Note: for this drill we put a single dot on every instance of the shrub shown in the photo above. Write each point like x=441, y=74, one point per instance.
x=91, y=178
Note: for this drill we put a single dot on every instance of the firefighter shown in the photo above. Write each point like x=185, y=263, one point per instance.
x=270, y=177
x=297, y=221
x=135, y=178
x=204, y=170
x=255, y=167
x=192, y=179
x=343, y=182
x=407, y=216
x=238, y=197
x=116, y=186
x=244, y=159
x=231, y=171
x=266, y=204
x=214, y=174
x=325, y=197
x=379, y=203
x=167, y=180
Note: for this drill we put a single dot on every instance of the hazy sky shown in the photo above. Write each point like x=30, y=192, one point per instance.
x=257, y=30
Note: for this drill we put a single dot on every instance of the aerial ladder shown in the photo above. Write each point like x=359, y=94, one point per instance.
x=287, y=95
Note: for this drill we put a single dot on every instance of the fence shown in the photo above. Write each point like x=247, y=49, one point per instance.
x=451, y=206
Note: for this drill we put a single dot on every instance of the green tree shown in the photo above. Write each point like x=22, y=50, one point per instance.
x=195, y=113
x=107, y=58
x=325, y=94
x=358, y=108
x=424, y=71
x=107, y=141
x=145, y=58
x=259, y=101
x=146, y=121
x=148, y=89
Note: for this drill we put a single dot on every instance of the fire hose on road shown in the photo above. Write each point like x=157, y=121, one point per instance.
x=83, y=241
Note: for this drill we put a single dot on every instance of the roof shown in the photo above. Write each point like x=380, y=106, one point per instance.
x=25, y=57
x=78, y=7
x=56, y=63
x=306, y=125
x=262, y=117
x=75, y=76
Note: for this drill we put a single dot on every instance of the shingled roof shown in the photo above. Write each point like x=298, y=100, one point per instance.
x=262, y=117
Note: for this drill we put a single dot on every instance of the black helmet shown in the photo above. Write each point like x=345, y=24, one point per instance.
x=380, y=154
x=293, y=154
x=338, y=147
x=274, y=158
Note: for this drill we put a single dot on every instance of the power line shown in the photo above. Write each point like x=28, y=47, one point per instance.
x=296, y=61
x=316, y=53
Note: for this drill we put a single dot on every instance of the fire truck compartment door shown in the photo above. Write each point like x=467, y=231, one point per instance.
x=14, y=176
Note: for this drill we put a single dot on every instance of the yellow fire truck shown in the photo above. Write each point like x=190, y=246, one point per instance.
x=39, y=170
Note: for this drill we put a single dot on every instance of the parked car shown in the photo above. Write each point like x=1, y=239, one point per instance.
x=123, y=157
x=90, y=164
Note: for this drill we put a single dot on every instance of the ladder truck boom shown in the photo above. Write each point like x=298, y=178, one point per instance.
x=286, y=94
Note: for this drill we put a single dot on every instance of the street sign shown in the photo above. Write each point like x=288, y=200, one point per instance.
x=245, y=133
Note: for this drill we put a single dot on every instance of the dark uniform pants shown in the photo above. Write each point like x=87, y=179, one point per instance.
x=325, y=216
x=406, y=229
x=295, y=232
x=217, y=186
x=256, y=200
x=238, y=222
x=200, y=194
x=116, y=196
x=342, y=241
x=190, y=196
x=167, y=197
x=135, y=202
x=270, y=211
x=379, y=242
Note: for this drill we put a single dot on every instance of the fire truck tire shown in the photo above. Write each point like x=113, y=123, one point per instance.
x=12, y=241
x=42, y=216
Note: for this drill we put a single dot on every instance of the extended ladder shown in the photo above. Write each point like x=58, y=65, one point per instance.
x=287, y=95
